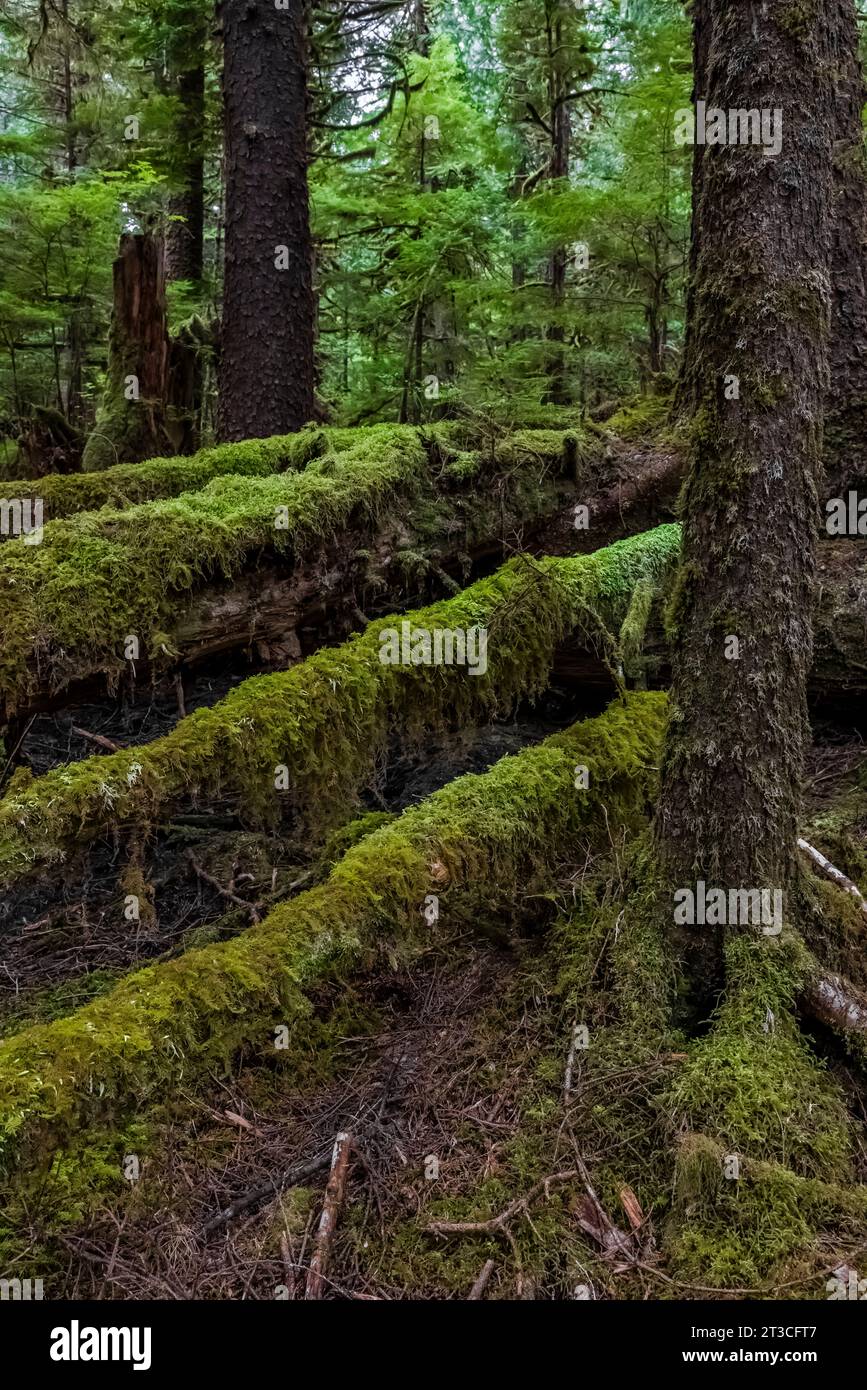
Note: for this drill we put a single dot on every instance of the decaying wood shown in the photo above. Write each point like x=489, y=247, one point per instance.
x=481, y=1282
x=333, y=1201
x=834, y=874
x=832, y=1000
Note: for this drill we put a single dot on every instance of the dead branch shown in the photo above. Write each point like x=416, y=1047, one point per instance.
x=831, y=999
x=481, y=1282
x=498, y=1223
x=299, y=1173
x=99, y=739
x=333, y=1201
x=834, y=874
x=254, y=909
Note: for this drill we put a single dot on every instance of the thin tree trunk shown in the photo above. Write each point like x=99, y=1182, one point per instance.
x=185, y=238
x=267, y=366
x=846, y=435
x=760, y=305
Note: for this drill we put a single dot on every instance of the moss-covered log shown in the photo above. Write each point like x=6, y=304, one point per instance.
x=478, y=836
x=326, y=720
x=64, y=494
x=104, y=590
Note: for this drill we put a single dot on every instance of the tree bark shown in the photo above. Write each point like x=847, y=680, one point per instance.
x=267, y=367
x=130, y=425
x=760, y=314
x=560, y=122
x=846, y=446
x=186, y=81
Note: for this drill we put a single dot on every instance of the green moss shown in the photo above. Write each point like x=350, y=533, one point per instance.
x=640, y=418
x=68, y=605
x=327, y=719
x=766, y=1228
x=753, y=1082
x=130, y=483
x=180, y=1018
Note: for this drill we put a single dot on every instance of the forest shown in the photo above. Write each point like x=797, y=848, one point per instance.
x=433, y=599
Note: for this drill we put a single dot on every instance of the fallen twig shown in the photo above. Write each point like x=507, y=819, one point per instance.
x=99, y=739
x=301, y=1171
x=255, y=909
x=331, y=1205
x=834, y=874
x=498, y=1223
x=481, y=1282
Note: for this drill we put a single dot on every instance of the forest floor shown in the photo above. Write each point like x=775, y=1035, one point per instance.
x=526, y=1121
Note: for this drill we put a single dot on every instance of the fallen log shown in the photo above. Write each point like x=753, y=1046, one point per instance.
x=482, y=834
x=126, y=484
x=326, y=720
x=105, y=593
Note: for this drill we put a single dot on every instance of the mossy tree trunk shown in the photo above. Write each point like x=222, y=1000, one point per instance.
x=267, y=374
x=846, y=447
x=760, y=317
x=130, y=424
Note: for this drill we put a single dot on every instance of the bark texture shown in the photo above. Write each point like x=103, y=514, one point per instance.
x=267, y=367
x=130, y=425
x=846, y=445
x=760, y=304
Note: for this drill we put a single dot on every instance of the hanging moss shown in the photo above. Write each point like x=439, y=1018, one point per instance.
x=175, y=1019
x=326, y=720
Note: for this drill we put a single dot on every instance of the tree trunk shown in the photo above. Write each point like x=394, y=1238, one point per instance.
x=560, y=138
x=186, y=81
x=130, y=424
x=760, y=305
x=846, y=448
x=686, y=394
x=267, y=367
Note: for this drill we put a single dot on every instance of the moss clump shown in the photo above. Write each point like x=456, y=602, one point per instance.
x=127, y=484
x=753, y=1082
x=768, y=1230
x=641, y=418
x=180, y=1017
x=327, y=719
